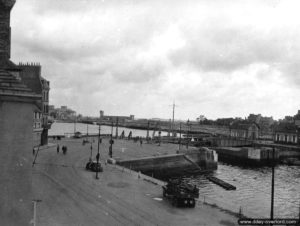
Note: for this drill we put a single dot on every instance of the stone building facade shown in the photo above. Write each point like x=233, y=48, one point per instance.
x=18, y=103
x=287, y=133
x=113, y=118
x=30, y=74
x=62, y=113
x=245, y=130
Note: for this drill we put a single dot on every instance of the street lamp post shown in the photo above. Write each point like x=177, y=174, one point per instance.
x=272, y=187
x=159, y=136
x=148, y=125
x=91, y=151
x=179, y=135
x=111, y=140
x=98, y=154
x=75, y=124
x=188, y=129
x=117, y=126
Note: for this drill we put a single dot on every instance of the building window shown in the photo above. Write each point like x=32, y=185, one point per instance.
x=281, y=137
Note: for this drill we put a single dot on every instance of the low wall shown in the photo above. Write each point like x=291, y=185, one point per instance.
x=231, y=142
x=161, y=166
x=141, y=176
x=285, y=150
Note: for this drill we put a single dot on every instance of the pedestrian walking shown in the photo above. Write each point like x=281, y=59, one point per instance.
x=110, y=151
x=141, y=142
x=33, y=151
x=57, y=148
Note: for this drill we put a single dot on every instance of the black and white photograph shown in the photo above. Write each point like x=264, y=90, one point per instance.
x=159, y=113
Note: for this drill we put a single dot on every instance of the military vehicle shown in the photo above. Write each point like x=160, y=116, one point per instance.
x=180, y=193
x=94, y=166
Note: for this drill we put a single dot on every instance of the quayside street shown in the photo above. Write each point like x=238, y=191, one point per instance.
x=70, y=195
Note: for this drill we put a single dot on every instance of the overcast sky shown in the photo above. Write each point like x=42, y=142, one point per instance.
x=212, y=57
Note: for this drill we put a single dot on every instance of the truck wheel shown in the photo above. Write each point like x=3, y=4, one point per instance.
x=192, y=203
x=87, y=166
x=175, y=202
x=186, y=202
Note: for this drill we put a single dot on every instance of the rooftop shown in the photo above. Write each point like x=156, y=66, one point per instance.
x=286, y=127
x=242, y=125
x=11, y=86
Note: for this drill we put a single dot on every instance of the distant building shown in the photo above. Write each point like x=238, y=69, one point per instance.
x=286, y=133
x=65, y=113
x=288, y=119
x=62, y=113
x=244, y=129
x=30, y=74
x=297, y=119
x=112, y=118
x=254, y=118
x=265, y=125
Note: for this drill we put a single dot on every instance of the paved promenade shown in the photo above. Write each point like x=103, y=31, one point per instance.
x=72, y=196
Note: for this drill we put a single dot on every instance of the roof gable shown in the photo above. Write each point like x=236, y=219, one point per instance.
x=244, y=125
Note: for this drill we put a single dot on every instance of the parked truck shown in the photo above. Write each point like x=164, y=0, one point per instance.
x=181, y=194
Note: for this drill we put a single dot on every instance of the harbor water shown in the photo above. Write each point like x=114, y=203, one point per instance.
x=253, y=193
x=253, y=190
x=69, y=128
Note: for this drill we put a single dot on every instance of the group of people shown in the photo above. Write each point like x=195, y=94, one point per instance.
x=64, y=149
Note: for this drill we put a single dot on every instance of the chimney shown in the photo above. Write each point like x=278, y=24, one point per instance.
x=5, y=8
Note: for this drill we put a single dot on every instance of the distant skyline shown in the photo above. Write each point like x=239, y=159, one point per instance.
x=214, y=58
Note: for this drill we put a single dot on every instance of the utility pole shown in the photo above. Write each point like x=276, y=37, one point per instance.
x=91, y=158
x=272, y=189
x=148, y=125
x=179, y=135
x=173, y=115
x=98, y=154
x=87, y=132
x=159, y=136
x=188, y=126
x=170, y=131
x=75, y=124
